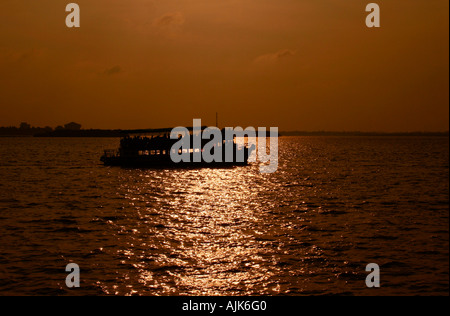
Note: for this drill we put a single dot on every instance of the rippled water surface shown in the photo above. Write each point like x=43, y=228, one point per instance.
x=334, y=205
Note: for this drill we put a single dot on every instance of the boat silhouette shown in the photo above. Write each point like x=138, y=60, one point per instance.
x=153, y=148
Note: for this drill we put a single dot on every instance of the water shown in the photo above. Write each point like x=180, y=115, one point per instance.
x=335, y=205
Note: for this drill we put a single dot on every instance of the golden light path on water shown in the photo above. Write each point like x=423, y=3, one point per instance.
x=309, y=228
x=208, y=233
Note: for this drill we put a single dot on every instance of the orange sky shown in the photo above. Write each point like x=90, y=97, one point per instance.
x=294, y=64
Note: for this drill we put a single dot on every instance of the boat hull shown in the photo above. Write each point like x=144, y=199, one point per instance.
x=165, y=161
x=145, y=162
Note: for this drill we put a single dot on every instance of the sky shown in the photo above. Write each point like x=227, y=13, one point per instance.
x=293, y=64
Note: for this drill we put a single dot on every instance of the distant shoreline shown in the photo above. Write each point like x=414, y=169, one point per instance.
x=120, y=133
x=300, y=133
x=82, y=133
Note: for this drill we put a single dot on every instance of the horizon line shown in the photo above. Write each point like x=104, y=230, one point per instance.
x=287, y=131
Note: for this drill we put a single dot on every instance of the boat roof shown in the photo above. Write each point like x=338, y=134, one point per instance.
x=158, y=131
x=163, y=131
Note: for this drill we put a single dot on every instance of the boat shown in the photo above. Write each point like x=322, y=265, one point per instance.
x=153, y=148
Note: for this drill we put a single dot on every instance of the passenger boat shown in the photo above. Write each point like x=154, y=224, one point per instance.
x=152, y=148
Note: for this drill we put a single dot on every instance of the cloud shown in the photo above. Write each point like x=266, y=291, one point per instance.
x=275, y=57
x=169, y=20
x=18, y=56
x=113, y=71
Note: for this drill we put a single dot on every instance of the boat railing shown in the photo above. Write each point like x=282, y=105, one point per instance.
x=111, y=153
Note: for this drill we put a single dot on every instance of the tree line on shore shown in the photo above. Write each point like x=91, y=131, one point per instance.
x=71, y=129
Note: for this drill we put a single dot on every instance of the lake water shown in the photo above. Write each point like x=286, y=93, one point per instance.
x=335, y=205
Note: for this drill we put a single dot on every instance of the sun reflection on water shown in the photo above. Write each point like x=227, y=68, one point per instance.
x=196, y=231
